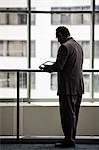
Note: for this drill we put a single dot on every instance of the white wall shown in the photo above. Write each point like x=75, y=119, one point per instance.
x=45, y=120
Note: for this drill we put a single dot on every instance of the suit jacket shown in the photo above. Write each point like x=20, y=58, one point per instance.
x=69, y=67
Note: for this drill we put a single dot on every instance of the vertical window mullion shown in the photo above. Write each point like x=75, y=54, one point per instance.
x=92, y=49
x=29, y=49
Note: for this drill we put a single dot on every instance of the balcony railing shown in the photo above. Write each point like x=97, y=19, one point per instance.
x=18, y=87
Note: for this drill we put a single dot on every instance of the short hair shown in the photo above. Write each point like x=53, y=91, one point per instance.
x=63, y=30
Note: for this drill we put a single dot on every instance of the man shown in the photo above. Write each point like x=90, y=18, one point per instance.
x=70, y=83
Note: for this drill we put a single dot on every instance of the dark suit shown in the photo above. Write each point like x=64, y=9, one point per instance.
x=70, y=85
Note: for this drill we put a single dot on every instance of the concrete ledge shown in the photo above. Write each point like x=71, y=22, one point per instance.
x=47, y=104
x=49, y=140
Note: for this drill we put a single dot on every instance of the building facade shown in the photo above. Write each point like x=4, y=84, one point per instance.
x=79, y=16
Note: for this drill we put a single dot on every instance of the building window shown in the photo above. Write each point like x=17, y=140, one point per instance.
x=86, y=82
x=96, y=83
x=22, y=18
x=33, y=80
x=16, y=48
x=23, y=80
x=96, y=49
x=13, y=48
x=54, y=48
x=33, y=19
x=59, y=18
x=69, y=18
x=3, y=18
x=12, y=19
x=86, y=48
x=53, y=81
x=3, y=79
x=33, y=48
x=1, y=48
x=16, y=18
x=8, y=80
x=97, y=18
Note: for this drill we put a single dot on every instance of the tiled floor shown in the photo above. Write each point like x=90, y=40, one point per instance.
x=46, y=147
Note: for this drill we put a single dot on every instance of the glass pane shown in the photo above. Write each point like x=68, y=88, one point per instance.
x=42, y=34
x=96, y=44
x=8, y=85
x=13, y=46
x=33, y=17
x=3, y=18
x=97, y=5
x=69, y=4
x=97, y=18
x=47, y=47
x=23, y=84
x=33, y=48
x=70, y=19
x=96, y=49
x=8, y=117
x=87, y=93
x=13, y=19
x=53, y=83
x=96, y=85
x=13, y=4
x=43, y=87
x=86, y=48
x=54, y=48
x=33, y=80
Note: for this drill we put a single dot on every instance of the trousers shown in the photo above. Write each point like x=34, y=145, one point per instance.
x=69, y=112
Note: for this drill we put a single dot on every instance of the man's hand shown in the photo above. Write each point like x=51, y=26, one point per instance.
x=45, y=68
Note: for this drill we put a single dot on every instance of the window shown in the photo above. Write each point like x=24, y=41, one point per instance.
x=14, y=22
x=86, y=83
x=1, y=48
x=33, y=19
x=3, y=18
x=54, y=48
x=53, y=81
x=96, y=49
x=33, y=80
x=97, y=18
x=69, y=18
x=96, y=83
x=8, y=79
x=33, y=48
x=16, y=18
x=86, y=48
x=22, y=18
x=16, y=48
x=23, y=80
x=12, y=19
x=60, y=18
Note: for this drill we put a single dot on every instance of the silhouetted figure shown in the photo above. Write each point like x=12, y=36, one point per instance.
x=70, y=83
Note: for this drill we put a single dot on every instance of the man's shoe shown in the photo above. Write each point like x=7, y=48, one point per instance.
x=64, y=145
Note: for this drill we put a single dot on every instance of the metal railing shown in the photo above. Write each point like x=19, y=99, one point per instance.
x=18, y=87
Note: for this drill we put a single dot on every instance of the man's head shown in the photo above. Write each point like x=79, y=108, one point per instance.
x=62, y=33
